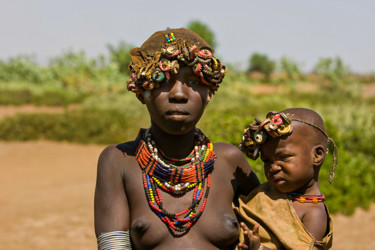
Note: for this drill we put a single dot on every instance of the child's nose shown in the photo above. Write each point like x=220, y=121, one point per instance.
x=178, y=93
x=274, y=168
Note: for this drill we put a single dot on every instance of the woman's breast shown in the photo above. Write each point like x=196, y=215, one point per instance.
x=215, y=229
x=220, y=227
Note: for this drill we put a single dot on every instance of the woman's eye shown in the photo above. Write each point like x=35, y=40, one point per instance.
x=193, y=81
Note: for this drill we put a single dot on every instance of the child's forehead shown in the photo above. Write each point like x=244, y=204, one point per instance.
x=303, y=130
x=299, y=137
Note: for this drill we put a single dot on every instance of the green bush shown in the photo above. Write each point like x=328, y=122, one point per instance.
x=82, y=126
x=15, y=96
x=332, y=70
x=261, y=63
x=291, y=69
x=46, y=95
x=120, y=56
x=23, y=68
x=353, y=184
x=204, y=31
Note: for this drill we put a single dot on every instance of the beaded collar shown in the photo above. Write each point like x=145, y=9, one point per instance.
x=304, y=198
x=193, y=168
x=177, y=177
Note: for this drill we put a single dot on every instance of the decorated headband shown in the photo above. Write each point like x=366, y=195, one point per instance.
x=276, y=125
x=174, y=53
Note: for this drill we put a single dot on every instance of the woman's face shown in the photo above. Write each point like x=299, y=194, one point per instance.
x=176, y=106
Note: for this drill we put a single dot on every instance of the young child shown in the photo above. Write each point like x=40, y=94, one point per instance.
x=288, y=211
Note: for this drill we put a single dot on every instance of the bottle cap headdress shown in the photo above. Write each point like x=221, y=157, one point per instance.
x=276, y=125
x=165, y=52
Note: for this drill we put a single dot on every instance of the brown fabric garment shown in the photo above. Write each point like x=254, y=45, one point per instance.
x=280, y=227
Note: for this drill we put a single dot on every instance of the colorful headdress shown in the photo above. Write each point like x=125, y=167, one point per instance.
x=165, y=52
x=276, y=125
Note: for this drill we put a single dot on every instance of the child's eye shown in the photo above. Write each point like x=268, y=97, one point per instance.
x=285, y=157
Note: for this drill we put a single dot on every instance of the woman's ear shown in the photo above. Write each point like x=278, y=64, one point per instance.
x=141, y=98
x=319, y=155
x=209, y=96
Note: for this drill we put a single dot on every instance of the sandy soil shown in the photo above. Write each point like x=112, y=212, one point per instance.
x=46, y=200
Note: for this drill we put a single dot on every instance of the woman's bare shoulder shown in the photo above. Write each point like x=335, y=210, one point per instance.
x=237, y=166
x=227, y=150
x=115, y=155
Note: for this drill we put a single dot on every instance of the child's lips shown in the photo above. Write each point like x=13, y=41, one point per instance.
x=276, y=178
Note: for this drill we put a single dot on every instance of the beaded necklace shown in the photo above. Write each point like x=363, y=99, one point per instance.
x=195, y=168
x=177, y=177
x=304, y=198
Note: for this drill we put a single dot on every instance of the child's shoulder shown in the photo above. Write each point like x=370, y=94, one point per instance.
x=314, y=217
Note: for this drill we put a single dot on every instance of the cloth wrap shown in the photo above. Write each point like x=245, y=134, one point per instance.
x=279, y=225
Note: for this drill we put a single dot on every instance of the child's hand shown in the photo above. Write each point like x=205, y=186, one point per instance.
x=251, y=238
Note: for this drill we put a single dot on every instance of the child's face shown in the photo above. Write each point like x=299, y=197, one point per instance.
x=288, y=162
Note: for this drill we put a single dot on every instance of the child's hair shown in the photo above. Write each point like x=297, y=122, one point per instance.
x=279, y=124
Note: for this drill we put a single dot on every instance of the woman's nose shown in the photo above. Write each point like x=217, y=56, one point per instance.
x=178, y=93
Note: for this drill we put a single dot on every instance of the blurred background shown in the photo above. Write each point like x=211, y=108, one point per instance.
x=63, y=97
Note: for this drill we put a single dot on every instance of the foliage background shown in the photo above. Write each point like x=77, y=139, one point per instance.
x=106, y=113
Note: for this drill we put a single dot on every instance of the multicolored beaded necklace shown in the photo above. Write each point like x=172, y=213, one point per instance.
x=304, y=198
x=177, y=177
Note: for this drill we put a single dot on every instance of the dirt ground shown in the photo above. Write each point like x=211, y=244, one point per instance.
x=47, y=191
x=46, y=200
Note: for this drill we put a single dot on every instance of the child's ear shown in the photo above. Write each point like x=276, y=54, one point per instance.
x=319, y=155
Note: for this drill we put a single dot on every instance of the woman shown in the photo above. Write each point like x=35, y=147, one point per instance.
x=171, y=188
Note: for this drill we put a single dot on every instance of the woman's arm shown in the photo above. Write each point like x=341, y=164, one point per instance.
x=111, y=208
x=244, y=174
x=244, y=180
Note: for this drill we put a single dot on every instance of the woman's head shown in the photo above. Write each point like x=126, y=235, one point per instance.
x=177, y=105
x=165, y=52
x=175, y=74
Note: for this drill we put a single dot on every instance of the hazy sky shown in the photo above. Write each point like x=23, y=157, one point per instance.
x=302, y=30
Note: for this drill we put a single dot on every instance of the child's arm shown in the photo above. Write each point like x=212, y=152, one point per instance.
x=251, y=238
x=315, y=221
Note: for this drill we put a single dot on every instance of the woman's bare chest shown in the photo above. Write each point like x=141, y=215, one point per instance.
x=217, y=225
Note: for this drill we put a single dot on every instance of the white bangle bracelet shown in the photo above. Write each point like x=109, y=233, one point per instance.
x=119, y=240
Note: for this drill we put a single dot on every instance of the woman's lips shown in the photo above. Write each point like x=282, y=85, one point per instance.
x=177, y=114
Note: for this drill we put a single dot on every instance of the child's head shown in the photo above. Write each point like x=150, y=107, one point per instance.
x=292, y=144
